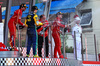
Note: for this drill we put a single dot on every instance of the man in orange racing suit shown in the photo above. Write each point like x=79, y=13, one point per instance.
x=15, y=19
x=56, y=35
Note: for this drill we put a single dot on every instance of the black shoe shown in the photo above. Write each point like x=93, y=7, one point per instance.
x=11, y=49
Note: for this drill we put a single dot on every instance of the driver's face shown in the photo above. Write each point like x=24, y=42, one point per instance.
x=60, y=16
x=35, y=11
x=24, y=8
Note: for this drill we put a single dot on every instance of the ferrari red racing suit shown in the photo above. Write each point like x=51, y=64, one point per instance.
x=56, y=35
x=15, y=19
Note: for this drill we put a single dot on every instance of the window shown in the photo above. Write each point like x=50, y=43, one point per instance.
x=86, y=18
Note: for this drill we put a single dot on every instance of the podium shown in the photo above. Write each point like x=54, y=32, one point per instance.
x=9, y=54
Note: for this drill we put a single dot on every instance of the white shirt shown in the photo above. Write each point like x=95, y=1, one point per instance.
x=78, y=31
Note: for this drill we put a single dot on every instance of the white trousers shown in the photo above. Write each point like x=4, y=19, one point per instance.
x=78, y=50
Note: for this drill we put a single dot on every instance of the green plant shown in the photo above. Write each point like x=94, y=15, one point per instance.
x=70, y=50
x=67, y=49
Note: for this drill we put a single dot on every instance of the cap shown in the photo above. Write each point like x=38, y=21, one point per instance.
x=59, y=13
x=76, y=17
x=34, y=8
x=23, y=5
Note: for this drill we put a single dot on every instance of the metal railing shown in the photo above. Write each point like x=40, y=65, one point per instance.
x=88, y=45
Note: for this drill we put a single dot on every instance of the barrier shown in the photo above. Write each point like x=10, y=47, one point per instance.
x=90, y=63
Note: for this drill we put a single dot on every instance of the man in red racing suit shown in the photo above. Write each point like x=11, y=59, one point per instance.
x=56, y=35
x=15, y=19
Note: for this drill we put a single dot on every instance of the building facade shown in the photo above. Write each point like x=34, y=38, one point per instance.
x=89, y=12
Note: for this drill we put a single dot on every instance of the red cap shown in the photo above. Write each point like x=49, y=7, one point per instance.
x=76, y=16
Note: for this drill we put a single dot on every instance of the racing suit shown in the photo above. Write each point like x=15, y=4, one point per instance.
x=56, y=35
x=32, y=21
x=15, y=19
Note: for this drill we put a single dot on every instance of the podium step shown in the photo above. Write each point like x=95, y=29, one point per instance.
x=23, y=61
x=8, y=54
x=33, y=61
